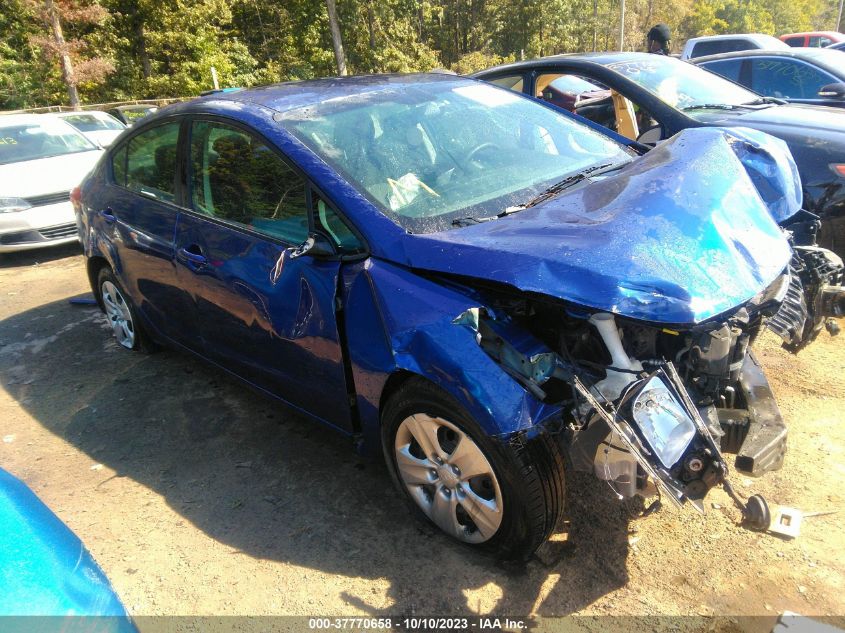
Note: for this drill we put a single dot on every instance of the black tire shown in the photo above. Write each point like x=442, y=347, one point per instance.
x=530, y=473
x=141, y=341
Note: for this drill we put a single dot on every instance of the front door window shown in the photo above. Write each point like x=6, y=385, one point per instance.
x=236, y=177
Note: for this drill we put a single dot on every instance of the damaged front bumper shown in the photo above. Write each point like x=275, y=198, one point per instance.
x=757, y=434
x=614, y=446
x=655, y=422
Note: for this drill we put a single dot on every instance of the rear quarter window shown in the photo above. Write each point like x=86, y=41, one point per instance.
x=511, y=82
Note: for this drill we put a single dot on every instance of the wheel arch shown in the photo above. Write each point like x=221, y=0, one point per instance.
x=94, y=265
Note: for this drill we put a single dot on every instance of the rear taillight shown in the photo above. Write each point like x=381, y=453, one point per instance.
x=76, y=198
x=838, y=169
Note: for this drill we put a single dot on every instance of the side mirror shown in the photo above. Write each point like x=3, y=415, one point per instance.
x=316, y=245
x=833, y=91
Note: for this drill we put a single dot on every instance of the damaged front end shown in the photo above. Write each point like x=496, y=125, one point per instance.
x=645, y=405
x=632, y=304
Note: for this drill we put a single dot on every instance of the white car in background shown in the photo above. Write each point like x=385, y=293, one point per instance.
x=98, y=126
x=41, y=159
x=714, y=44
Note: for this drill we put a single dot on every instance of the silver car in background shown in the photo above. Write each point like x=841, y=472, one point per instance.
x=100, y=127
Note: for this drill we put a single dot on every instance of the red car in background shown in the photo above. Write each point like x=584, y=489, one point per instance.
x=814, y=39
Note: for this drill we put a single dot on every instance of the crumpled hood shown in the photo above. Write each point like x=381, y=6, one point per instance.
x=678, y=236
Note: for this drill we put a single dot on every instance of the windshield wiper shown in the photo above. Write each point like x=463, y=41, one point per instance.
x=765, y=100
x=711, y=106
x=469, y=220
x=550, y=192
x=567, y=182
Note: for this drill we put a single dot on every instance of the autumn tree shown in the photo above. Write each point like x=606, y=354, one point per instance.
x=102, y=50
x=77, y=63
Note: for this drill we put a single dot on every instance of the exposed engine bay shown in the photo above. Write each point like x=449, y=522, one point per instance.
x=649, y=405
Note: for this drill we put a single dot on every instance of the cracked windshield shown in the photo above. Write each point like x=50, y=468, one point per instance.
x=445, y=150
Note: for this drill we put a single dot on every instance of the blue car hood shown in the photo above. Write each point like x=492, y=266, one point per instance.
x=678, y=236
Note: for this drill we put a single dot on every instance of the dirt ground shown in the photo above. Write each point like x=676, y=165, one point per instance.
x=197, y=496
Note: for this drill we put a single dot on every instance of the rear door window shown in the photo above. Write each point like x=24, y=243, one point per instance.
x=237, y=177
x=795, y=41
x=150, y=166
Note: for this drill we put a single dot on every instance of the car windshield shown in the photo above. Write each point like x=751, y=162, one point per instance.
x=92, y=123
x=435, y=152
x=41, y=139
x=682, y=85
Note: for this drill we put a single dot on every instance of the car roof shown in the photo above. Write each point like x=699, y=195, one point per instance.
x=828, y=59
x=67, y=113
x=835, y=34
x=8, y=120
x=583, y=59
x=757, y=37
x=136, y=106
x=290, y=95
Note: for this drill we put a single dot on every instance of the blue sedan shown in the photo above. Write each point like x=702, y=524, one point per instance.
x=466, y=280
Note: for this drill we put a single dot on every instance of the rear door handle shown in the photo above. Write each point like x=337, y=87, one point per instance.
x=108, y=215
x=192, y=256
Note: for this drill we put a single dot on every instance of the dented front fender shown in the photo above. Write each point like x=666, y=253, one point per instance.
x=410, y=328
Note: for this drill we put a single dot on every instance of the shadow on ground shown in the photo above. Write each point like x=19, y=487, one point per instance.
x=274, y=485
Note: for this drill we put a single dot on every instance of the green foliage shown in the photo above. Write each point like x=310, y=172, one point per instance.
x=163, y=48
x=479, y=60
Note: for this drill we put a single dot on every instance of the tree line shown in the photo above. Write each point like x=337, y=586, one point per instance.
x=95, y=51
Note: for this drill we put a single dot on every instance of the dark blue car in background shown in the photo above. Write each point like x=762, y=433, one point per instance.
x=813, y=76
x=653, y=97
x=469, y=281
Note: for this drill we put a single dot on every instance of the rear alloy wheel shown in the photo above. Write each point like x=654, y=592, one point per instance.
x=127, y=330
x=501, y=496
x=119, y=315
x=449, y=478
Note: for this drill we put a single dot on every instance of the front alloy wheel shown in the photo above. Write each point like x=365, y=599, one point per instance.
x=448, y=477
x=504, y=496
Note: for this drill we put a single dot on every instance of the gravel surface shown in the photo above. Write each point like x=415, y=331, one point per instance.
x=199, y=497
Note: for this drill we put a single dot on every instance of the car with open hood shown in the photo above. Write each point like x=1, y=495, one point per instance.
x=654, y=97
x=469, y=282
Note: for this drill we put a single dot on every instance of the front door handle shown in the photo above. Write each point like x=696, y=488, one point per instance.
x=108, y=215
x=192, y=257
